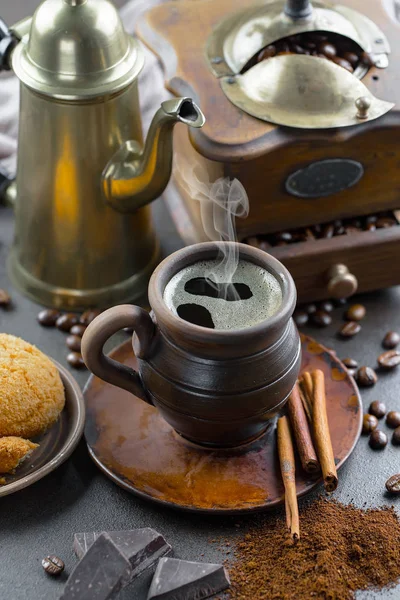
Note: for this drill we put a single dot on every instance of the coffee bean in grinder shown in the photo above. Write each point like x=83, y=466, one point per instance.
x=300, y=99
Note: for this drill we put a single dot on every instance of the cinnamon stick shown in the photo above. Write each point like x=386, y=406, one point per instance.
x=301, y=431
x=287, y=464
x=305, y=403
x=322, y=436
x=307, y=387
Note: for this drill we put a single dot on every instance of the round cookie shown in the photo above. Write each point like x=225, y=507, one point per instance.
x=14, y=450
x=31, y=390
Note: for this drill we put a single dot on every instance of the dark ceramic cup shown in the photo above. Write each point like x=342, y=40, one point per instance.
x=214, y=387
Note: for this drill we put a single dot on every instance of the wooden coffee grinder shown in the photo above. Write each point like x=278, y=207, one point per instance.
x=301, y=102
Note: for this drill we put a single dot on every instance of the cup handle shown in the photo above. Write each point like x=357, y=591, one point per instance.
x=101, y=329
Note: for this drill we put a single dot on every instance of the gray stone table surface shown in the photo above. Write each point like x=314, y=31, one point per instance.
x=77, y=497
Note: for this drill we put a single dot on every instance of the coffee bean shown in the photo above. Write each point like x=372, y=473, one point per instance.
x=328, y=231
x=340, y=230
x=74, y=343
x=352, y=372
x=310, y=308
x=355, y=223
x=297, y=49
x=283, y=236
x=393, y=484
x=267, y=52
x=53, y=565
x=282, y=47
x=340, y=301
x=300, y=318
x=370, y=422
x=385, y=222
x=378, y=409
x=297, y=236
x=75, y=360
x=389, y=359
x=48, y=317
x=89, y=315
x=327, y=49
x=378, y=439
x=370, y=227
x=5, y=298
x=396, y=437
x=317, y=37
x=78, y=329
x=308, y=235
x=351, y=57
x=264, y=245
x=342, y=63
x=393, y=419
x=317, y=229
x=355, y=312
x=366, y=377
x=326, y=306
x=391, y=340
x=321, y=318
x=253, y=241
x=350, y=363
x=366, y=59
x=66, y=321
x=350, y=229
x=349, y=329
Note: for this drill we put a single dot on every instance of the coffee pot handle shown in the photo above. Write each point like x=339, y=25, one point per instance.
x=101, y=329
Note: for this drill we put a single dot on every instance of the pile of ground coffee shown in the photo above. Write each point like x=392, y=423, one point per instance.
x=342, y=549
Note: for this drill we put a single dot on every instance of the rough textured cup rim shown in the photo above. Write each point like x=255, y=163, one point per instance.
x=207, y=251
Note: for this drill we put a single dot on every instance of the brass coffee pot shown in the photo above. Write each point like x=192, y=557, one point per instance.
x=84, y=179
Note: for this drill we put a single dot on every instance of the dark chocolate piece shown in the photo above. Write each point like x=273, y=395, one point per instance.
x=142, y=547
x=177, y=579
x=100, y=574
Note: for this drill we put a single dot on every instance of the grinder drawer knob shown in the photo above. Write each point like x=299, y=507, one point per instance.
x=341, y=283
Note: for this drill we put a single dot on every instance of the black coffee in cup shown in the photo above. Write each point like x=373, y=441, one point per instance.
x=201, y=294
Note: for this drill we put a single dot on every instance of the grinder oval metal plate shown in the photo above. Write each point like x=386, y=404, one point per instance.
x=307, y=92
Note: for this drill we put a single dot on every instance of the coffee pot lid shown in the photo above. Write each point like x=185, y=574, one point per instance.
x=77, y=49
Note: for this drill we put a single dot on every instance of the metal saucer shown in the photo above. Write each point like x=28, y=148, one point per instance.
x=133, y=445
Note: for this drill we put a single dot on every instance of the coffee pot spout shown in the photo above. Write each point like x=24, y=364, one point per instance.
x=135, y=175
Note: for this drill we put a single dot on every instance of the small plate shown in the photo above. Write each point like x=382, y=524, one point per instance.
x=56, y=445
x=138, y=450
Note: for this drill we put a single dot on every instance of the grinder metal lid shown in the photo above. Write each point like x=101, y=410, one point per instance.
x=305, y=92
x=77, y=49
x=296, y=90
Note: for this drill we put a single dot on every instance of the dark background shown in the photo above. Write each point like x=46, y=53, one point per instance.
x=77, y=497
x=43, y=518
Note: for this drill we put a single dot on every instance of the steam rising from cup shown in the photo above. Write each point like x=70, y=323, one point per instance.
x=221, y=202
